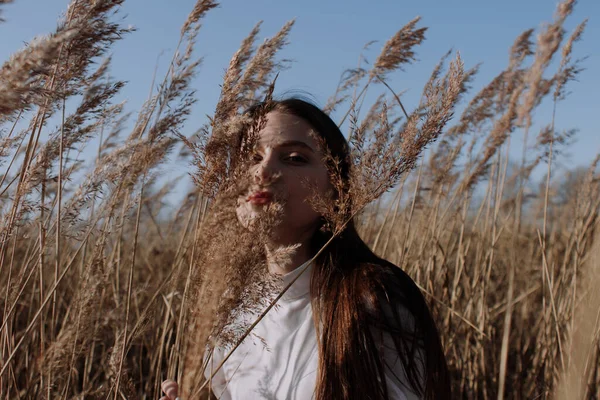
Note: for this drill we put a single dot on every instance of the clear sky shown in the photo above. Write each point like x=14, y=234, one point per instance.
x=327, y=38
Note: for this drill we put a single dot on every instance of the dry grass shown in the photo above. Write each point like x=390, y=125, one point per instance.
x=102, y=285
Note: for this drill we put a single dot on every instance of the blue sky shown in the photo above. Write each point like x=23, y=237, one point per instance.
x=327, y=38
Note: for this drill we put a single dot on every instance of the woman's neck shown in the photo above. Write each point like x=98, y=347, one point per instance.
x=284, y=259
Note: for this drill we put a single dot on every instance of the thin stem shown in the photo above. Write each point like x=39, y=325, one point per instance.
x=394, y=94
x=129, y=286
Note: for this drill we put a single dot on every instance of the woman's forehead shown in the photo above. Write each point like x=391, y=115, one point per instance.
x=282, y=127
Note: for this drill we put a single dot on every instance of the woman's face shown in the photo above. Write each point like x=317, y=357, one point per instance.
x=286, y=157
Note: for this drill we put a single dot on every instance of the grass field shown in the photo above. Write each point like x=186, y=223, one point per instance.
x=99, y=272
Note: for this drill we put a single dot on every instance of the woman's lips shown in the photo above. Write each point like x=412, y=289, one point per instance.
x=260, y=198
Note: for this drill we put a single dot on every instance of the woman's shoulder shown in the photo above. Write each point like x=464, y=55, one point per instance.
x=401, y=315
x=396, y=330
x=391, y=296
x=388, y=279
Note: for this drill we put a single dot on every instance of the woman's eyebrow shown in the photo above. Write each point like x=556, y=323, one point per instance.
x=295, y=143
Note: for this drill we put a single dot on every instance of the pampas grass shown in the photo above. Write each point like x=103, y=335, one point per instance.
x=106, y=291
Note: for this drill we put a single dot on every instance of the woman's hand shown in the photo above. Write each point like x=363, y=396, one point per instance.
x=170, y=388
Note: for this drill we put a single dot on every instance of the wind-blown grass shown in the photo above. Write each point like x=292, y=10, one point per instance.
x=106, y=291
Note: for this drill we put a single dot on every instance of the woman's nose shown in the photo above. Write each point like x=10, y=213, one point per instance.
x=265, y=171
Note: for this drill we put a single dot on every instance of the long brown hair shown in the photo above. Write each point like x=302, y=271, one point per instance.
x=358, y=298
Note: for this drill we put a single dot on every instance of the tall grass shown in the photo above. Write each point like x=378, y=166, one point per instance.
x=102, y=282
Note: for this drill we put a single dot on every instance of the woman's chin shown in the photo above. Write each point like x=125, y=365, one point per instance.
x=250, y=213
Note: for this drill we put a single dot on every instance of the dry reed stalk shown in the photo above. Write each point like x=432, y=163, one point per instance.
x=224, y=281
x=462, y=248
x=573, y=382
x=398, y=50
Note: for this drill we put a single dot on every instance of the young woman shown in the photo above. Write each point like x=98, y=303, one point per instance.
x=353, y=325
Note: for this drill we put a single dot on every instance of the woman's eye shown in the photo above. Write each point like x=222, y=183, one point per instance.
x=296, y=159
x=256, y=157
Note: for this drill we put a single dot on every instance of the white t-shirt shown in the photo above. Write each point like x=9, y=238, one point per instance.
x=279, y=359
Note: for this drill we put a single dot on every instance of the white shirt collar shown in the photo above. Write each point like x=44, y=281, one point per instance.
x=301, y=287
